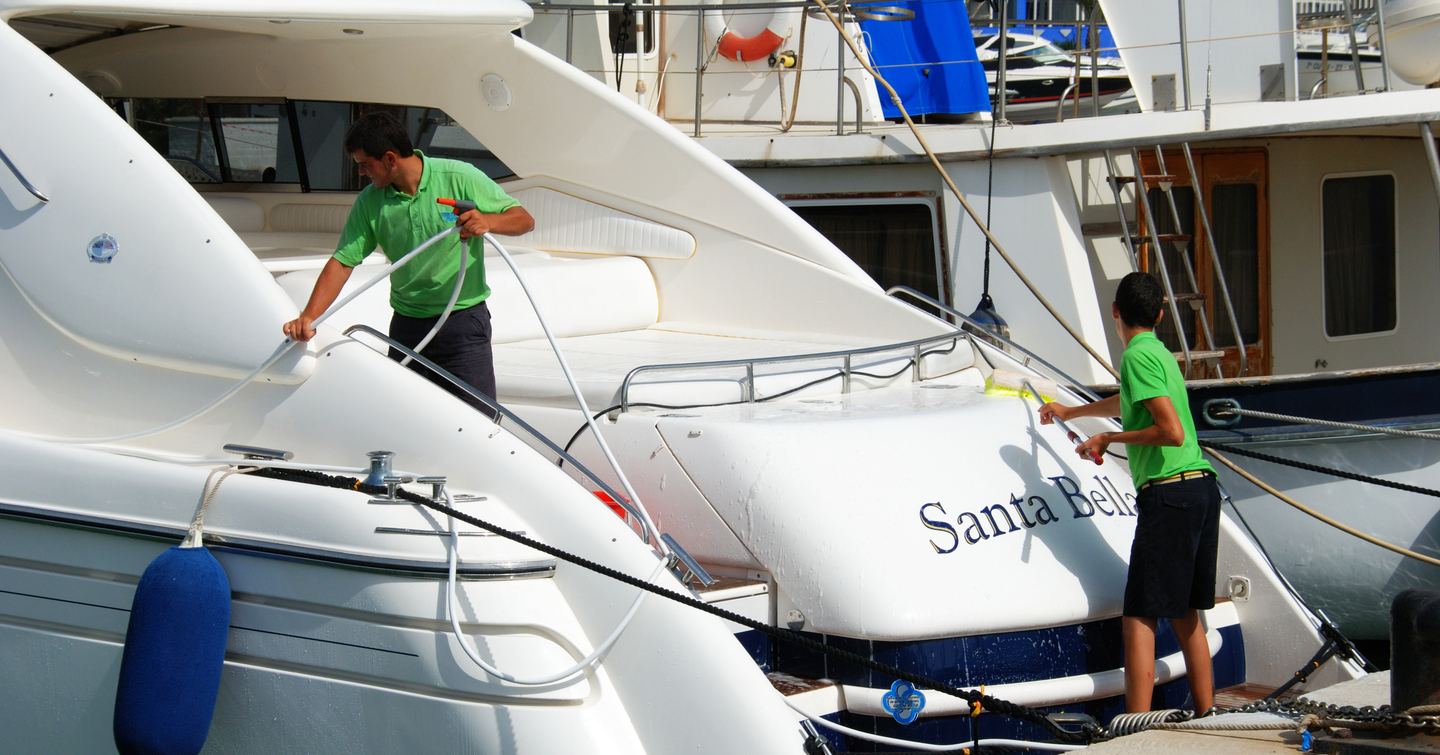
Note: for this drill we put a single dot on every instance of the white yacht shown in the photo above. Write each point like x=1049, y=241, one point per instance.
x=1309, y=219
x=848, y=466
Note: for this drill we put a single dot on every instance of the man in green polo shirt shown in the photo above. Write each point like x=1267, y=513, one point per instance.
x=1172, y=560
x=398, y=212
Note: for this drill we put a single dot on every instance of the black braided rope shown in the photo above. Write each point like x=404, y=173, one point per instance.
x=992, y=704
x=1356, y=476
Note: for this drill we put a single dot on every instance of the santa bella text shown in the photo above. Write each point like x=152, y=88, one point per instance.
x=1024, y=513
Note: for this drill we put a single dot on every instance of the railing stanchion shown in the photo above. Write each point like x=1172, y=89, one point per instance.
x=699, y=65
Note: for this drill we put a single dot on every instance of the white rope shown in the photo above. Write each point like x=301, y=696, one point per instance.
x=925, y=747
x=580, y=398
x=280, y=351
x=195, y=537
x=1327, y=423
x=580, y=667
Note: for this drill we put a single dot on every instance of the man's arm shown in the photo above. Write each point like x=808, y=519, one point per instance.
x=1167, y=430
x=327, y=288
x=1105, y=407
x=512, y=222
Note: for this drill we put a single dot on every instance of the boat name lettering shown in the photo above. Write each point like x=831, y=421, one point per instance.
x=1022, y=512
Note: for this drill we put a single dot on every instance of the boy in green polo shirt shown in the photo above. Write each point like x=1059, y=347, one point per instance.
x=398, y=212
x=1172, y=560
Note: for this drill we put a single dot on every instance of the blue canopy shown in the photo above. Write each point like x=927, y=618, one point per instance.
x=929, y=60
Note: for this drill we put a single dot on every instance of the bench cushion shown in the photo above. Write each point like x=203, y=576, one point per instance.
x=568, y=224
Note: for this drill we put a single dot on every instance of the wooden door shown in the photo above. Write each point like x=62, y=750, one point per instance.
x=1234, y=185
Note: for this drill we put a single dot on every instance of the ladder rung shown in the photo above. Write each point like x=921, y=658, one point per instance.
x=1120, y=179
x=1104, y=229
x=1200, y=356
x=1175, y=238
x=1159, y=178
x=1188, y=296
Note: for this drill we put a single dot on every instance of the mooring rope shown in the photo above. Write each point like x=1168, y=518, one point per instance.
x=1334, y=471
x=1259, y=483
x=1229, y=407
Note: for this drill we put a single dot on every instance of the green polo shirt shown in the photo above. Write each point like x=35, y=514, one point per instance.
x=1148, y=370
x=399, y=222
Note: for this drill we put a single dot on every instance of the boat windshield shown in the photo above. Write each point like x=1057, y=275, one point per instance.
x=280, y=141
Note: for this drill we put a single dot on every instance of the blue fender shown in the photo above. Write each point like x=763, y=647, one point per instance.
x=174, y=652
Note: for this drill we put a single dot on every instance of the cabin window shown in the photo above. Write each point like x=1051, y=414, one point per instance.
x=180, y=130
x=258, y=143
x=1358, y=215
x=286, y=141
x=896, y=243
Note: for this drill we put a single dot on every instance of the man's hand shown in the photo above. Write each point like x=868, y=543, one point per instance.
x=1094, y=447
x=472, y=223
x=299, y=329
x=1055, y=410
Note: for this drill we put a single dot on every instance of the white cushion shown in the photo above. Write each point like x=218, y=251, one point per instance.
x=568, y=224
x=242, y=215
x=309, y=218
x=579, y=296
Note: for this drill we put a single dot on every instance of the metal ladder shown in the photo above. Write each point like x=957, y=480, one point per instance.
x=1194, y=297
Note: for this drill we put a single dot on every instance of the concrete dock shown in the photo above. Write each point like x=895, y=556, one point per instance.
x=1373, y=689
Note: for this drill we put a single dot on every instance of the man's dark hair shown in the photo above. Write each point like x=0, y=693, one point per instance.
x=1139, y=299
x=377, y=133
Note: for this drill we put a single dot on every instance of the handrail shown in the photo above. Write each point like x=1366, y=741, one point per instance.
x=926, y=298
x=846, y=355
x=645, y=534
x=25, y=182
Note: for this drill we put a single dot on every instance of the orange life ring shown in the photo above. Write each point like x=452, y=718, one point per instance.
x=732, y=46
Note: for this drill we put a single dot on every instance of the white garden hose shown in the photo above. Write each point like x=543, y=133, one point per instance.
x=584, y=664
x=579, y=398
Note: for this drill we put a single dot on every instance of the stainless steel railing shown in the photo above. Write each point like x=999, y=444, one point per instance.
x=19, y=176
x=846, y=357
x=1029, y=355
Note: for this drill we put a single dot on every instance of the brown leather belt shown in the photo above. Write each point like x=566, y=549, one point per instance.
x=1190, y=475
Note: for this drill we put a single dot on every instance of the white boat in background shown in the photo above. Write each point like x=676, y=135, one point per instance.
x=849, y=466
x=1330, y=290
x=1039, y=76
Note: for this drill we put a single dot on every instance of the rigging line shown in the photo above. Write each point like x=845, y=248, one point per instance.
x=989, y=193
x=1259, y=483
x=1334, y=471
x=964, y=203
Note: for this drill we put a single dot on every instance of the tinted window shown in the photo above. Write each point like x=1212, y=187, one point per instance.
x=894, y=243
x=1359, y=255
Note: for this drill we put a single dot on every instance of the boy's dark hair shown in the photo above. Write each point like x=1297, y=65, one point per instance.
x=1139, y=299
x=377, y=133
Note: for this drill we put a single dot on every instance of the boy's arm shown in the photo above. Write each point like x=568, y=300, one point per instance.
x=1105, y=407
x=327, y=289
x=1167, y=430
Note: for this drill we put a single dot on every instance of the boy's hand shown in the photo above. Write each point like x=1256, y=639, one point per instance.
x=1094, y=447
x=299, y=329
x=472, y=223
x=1052, y=411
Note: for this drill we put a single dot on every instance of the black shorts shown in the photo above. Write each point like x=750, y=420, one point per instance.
x=1172, y=561
x=462, y=347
